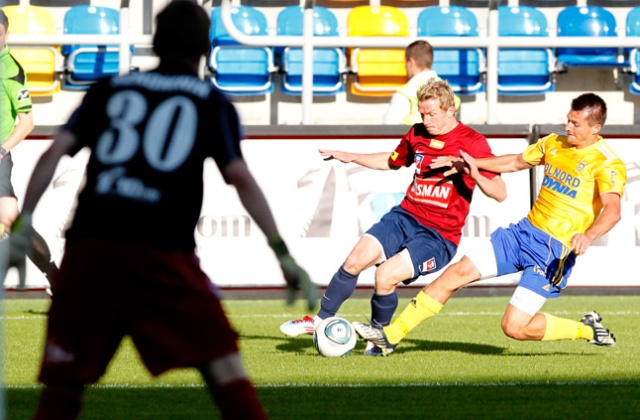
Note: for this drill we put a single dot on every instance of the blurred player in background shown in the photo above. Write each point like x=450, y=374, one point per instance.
x=579, y=201
x=403, y=106
x=129, y=266
x=16, y=122
x=421, y=235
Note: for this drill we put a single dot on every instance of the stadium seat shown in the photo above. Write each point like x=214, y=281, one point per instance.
x=588, y=21
x=38, y=61
x=524, y=71
x=238, y=69
x=377, y=72
x=329, y=64
x=85, y=64
x=464, y=68
x=633, y=29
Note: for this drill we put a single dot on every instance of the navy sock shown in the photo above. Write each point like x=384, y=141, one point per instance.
x=382, y=309
x=340, y=288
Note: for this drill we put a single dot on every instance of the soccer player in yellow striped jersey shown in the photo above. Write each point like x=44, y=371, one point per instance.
x=579, y=201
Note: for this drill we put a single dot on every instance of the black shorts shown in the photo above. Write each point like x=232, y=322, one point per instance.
x=6, y=166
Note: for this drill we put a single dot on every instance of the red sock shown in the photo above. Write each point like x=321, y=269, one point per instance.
x=239, y=400
x=59, y=404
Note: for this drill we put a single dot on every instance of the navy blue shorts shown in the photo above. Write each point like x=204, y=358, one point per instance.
x=546, y=263
x=398, y=230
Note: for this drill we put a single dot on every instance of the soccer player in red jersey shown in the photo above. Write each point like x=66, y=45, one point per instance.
x=422, y=233
x=129, y=266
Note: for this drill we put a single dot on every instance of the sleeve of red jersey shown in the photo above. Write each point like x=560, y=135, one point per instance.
x=403, y=154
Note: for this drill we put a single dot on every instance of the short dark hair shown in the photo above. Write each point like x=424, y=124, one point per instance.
x=182, y=31
x=595, y=106
x=4, y=20
x=422, y=52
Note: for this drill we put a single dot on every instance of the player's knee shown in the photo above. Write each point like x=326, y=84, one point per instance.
x=384, y=285
x=353, y=264
x=513, y=330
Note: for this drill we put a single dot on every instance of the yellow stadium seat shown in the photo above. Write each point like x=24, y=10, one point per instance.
x=377, y=72
x=39, y=62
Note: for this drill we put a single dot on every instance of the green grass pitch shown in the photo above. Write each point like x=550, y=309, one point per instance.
x=458, y=365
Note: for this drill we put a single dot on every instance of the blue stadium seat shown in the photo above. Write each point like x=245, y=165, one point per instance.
x=633, y=29
x=329, y=64
x=524, y=71
x=238, y=69
x=85, y=64
x=463, y=69
x=588, y=21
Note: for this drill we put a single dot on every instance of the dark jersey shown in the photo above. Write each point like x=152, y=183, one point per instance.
x=435, y=201
x=149, y=134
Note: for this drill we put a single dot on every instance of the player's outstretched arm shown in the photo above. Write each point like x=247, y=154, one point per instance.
x=237, y=173
x=379, y=161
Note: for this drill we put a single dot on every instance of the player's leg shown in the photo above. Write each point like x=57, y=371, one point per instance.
x=523, y=320
x=231, y=388
x=385, y=299
x=40, y=254
x=365, y=254
x=478, y=263
x=59, y=401
x=547, y=265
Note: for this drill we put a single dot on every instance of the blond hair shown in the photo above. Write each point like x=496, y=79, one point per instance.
x=437, y=89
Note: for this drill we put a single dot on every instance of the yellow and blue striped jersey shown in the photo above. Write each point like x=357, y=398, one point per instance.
x=574, y=179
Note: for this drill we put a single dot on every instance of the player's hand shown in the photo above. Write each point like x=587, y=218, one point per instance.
x=295, y=276
x=298, y=279
x=19, y=246
x=456, y=164
x=580, y=243
x=343, y=157
x=471, y=166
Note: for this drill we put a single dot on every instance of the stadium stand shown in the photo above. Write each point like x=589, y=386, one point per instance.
x=377, y=72
x=329, y=64
x=462, y=68
x=38, y=61
x=237, y=69
x=588, y=21
x=524, y=71
x=633, y=29
x=278, y=106
x=85, y=64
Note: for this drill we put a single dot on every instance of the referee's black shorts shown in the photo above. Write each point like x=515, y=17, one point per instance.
x=6, y=166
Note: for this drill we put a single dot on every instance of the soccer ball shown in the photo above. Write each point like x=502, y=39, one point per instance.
x=334, y=337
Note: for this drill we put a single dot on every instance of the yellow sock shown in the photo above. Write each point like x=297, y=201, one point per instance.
x=565, y=329
x=421, y=308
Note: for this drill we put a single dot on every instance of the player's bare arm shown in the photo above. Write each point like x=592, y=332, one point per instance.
x=378, y=161
x=46, y=167
x=607, y=219
x=24, y=126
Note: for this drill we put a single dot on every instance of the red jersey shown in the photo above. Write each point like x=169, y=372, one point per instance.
x=435, y=201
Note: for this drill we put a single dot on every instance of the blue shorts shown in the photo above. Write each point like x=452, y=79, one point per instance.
x=398, y=230
x=546, y=263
